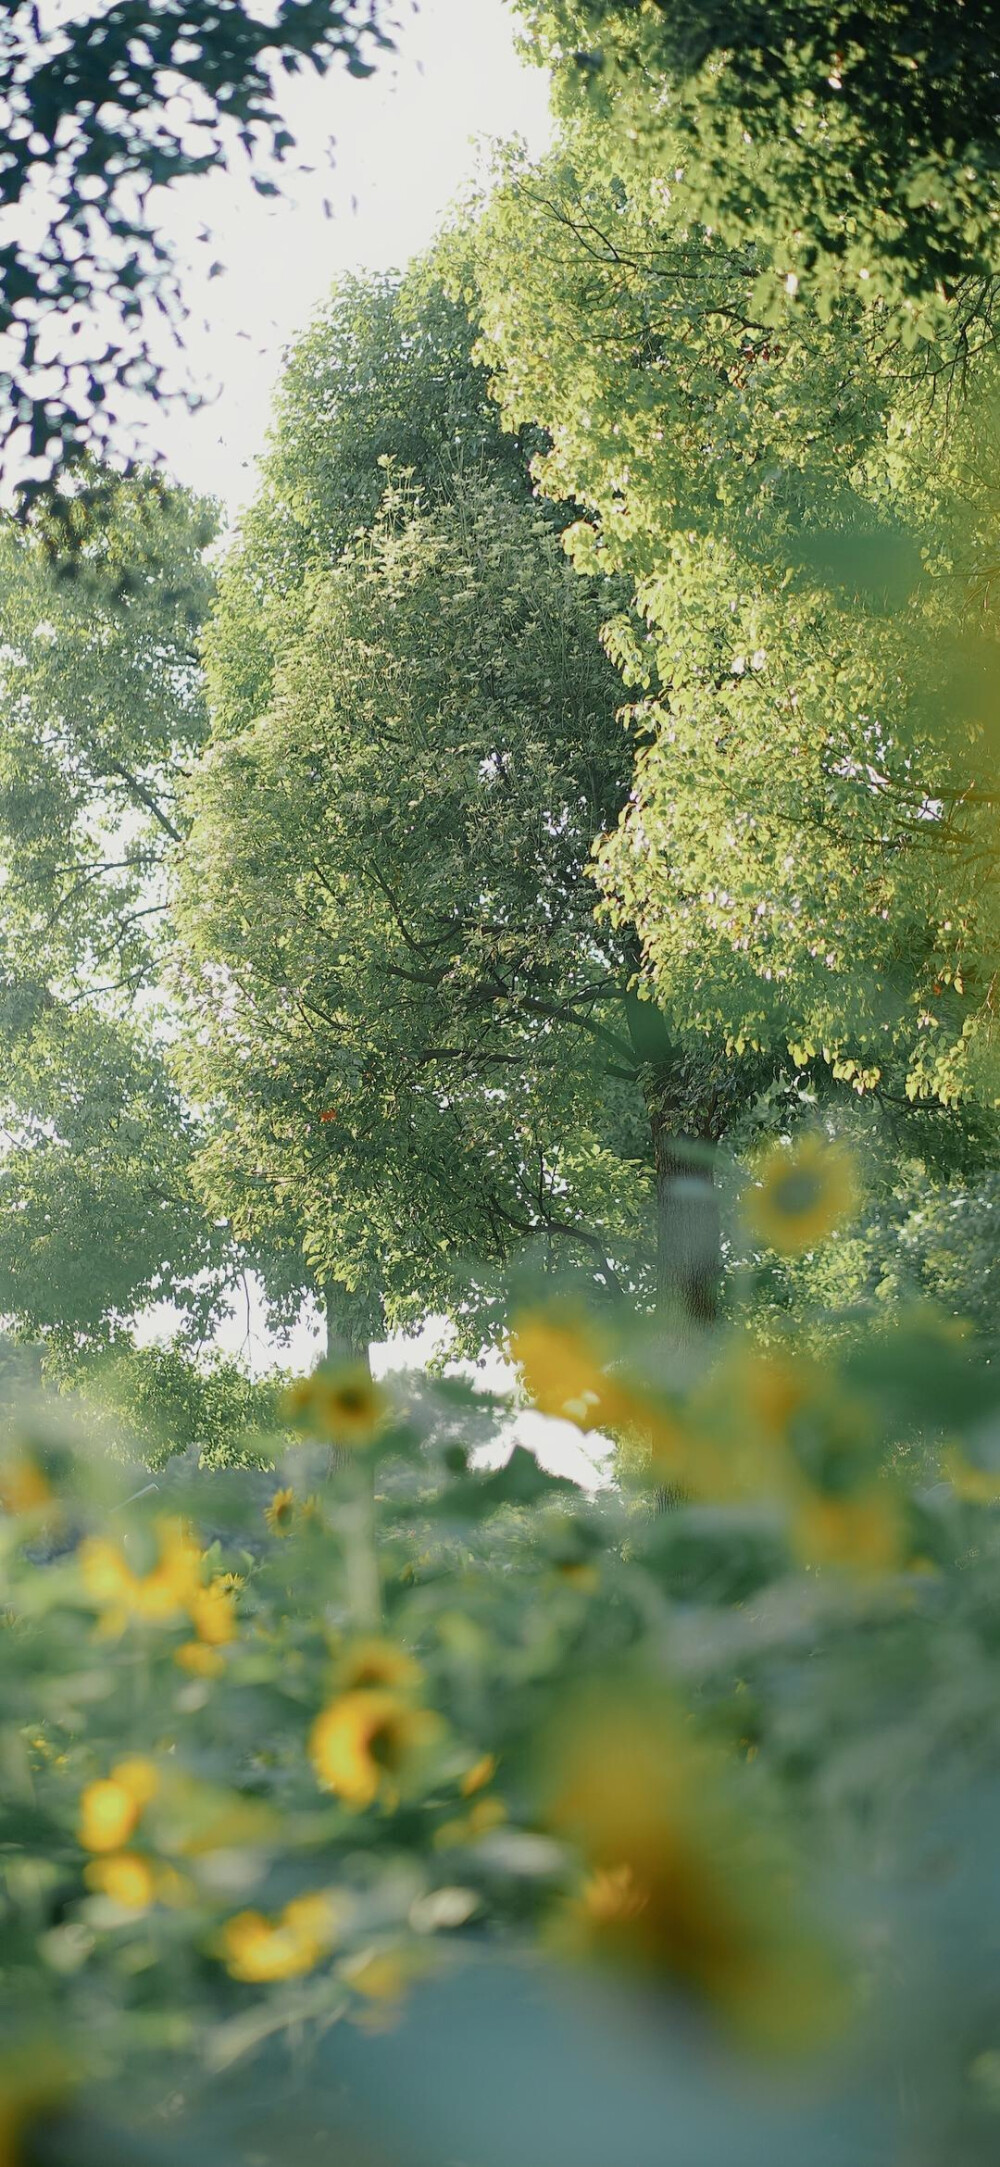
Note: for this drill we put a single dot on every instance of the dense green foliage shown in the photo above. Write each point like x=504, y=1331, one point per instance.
x=854, y=148
x=418, y=1030
x=102, y=712
x=515, y=1085
x=807, y=851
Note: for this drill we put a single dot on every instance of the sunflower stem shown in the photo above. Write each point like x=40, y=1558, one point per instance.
x=364, y=1591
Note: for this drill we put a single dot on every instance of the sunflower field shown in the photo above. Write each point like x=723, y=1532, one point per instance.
x=327, y=1786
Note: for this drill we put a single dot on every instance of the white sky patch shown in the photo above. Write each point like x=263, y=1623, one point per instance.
x=558, y=1446
x=406, y=144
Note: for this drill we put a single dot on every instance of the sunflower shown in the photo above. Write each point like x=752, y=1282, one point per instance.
x=561, y=1370
x=376, y=1662
x=24, y=1486
x=342, y=1404
x=201, y=1660
x=675, y=1881
x=212, y=1613
x=110, y=1808
x=262, y=1950
x=125, y=1877
x=159, y=1596
x=280, y=1513
x=803, y=1192
x=564, y=1375
x=365, y=1741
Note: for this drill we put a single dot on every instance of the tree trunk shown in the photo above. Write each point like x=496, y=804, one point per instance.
x=688, y=1233
x=346, y=1337
x=688, y=1248
x=682, y=1126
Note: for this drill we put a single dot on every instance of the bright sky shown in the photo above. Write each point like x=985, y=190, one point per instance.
x=404, y=147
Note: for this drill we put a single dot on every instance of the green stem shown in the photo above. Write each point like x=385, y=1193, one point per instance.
x=364, y=1591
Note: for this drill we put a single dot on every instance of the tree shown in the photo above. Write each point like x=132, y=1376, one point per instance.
x=809, y=845
x=421, y=624
x=98, y=111
x=853, y=148
x=418, y=1033
x=381, y=379
x=101, y=706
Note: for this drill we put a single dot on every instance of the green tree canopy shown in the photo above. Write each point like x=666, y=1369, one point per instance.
x=101, y=709
x=381, y=379
x=427, y=647
x=807, y=851
x=854, y=148
x=417, y=1029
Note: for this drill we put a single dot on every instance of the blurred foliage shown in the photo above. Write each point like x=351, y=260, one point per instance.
x=165, y=1399
x=295, y=1749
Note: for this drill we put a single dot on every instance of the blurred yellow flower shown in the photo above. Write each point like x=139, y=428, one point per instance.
x=561, y=1371
x=977, y=1485
x=374, y=1662
x=864, y=1533
x=741, y=1413
x=343, y=1404
x=139, y=1776
x=479, y=1775
x=111, y=1807
x=565, y=1378
x=280, y=1513
x=24, y=1486
x=34, y=2081
x=380, y=1975
x=259, y=1949
x=124, y=1876
x=213, y=1613
x=485, y=1815
x=364, y=1742
x=774, y=1386
x=676, y=1881
x=612, y=1894
x=159, y=1596
x=202, y=1661
x=803, y=1191
x=174, y=1588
